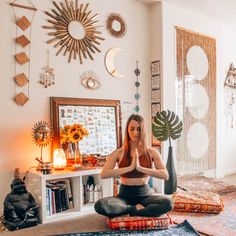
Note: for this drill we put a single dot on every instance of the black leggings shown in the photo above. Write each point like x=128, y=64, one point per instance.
x=154, y=205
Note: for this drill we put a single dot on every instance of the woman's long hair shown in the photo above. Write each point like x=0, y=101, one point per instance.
x=142, y=138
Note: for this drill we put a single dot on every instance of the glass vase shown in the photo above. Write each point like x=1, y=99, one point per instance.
x=78, y=157
x=70, y=154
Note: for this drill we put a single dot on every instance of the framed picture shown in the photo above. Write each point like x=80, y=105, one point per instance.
x=155, y=68
x=156, y=82
x=101, y=117
x=155, y=108
x=156, y=96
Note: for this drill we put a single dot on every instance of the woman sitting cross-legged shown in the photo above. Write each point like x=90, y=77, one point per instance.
x=136, y=163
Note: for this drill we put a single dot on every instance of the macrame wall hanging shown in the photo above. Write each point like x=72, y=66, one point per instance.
x=47, y=77
x=230, y=96
x=22, y=50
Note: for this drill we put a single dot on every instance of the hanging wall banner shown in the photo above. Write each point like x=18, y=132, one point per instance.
x=196, y=101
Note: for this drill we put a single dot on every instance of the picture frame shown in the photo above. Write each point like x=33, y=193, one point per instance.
x=155, y=96
x=101, y=117
x=155, y=68
x=155, y=108
x=156, y=83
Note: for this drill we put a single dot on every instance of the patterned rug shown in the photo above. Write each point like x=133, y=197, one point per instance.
x=223, y=224
x=201, y=183
x=183, y=229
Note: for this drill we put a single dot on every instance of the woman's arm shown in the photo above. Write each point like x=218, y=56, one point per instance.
x=109, y=170
x=159, y=171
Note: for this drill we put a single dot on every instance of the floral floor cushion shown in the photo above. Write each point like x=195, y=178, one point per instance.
x=198, y=201
x=138, y=222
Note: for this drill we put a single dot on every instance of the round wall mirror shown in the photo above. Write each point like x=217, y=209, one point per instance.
x=76, y=30
x=116, y=25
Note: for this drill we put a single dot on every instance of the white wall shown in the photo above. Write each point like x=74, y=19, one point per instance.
x=225, y=51
x=16, y=145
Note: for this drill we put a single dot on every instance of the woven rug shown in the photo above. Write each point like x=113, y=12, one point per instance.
x=183, y=229
x=201, y=183
x=222, y=224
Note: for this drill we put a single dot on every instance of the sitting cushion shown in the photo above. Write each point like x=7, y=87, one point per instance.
x=205, y=202
x=139, y=222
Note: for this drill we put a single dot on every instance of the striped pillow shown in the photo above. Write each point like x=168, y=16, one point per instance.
x=139, y=222
x=197, y=201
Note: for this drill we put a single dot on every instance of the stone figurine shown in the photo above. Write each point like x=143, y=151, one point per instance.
x=20, y=208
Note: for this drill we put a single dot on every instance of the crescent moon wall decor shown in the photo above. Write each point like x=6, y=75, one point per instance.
x=109, y=62
x=73, y=30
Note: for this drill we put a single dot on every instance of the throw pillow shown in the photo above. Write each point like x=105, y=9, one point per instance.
x=197, y=201
x=138, y=222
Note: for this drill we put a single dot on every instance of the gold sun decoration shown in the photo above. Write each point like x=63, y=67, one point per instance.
x=72, y=12
x=42, y=133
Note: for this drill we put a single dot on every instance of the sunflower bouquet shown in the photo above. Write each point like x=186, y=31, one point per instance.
x=72, y=133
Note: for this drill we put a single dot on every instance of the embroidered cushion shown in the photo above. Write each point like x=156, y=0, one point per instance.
x=139, y=222
x=197, y=201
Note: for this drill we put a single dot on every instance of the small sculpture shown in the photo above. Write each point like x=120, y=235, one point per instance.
x=42, y=135
x=20, y=208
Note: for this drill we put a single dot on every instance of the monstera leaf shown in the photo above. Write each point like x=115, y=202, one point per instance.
x=166, y=125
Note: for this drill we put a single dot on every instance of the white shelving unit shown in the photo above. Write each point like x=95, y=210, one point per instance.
x=36, y=184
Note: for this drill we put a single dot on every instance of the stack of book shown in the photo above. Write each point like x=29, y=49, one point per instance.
x=58, y=196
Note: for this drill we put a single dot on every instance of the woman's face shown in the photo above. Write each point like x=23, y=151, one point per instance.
x=134, y=130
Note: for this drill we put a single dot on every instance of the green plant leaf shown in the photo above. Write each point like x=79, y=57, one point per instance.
x=166, y=124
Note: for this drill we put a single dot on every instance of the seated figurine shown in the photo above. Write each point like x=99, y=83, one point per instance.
x=20, y=208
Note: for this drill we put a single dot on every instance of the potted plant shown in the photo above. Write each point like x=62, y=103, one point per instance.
x=167, y=125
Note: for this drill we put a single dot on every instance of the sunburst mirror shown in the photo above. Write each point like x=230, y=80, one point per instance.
x=74, y=30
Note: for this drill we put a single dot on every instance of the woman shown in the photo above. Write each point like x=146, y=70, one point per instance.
x=136, y=163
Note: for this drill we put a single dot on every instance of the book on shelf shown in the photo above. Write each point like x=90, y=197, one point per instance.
x=58, y=196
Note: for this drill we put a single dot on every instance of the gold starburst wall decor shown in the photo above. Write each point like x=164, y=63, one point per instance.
x=74, y=30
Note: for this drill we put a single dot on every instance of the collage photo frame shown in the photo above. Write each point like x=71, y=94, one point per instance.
x=155, y=95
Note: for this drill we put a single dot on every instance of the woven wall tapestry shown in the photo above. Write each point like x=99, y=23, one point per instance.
x=196, y=101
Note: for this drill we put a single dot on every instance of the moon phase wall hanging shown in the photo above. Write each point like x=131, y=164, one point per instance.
x=109, y=62
x=74, y=30
x=22, y=50
x=137, y=84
